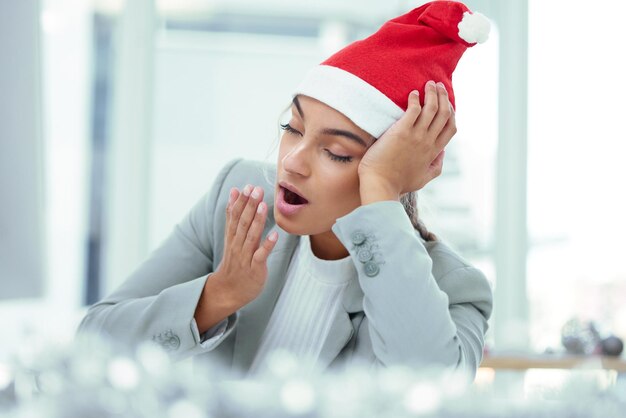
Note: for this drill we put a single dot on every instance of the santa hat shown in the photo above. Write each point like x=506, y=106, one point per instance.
x=369, y=80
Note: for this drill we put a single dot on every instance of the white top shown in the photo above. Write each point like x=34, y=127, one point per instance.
x=306, y=307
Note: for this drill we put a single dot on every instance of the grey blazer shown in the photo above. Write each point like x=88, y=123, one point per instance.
x=414, y=303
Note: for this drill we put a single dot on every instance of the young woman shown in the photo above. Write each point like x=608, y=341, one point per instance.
x=328, y=260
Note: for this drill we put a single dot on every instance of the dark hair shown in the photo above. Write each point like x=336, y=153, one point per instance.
x=409, y=201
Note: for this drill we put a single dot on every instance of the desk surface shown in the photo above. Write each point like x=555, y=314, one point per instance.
x=546, y=361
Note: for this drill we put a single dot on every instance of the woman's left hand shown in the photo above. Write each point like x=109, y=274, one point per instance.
x=410, y=153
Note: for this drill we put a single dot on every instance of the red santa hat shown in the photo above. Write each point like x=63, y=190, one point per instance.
x=369, y=80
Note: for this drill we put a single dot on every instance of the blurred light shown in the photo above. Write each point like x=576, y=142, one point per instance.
x=123, y=373
x=153, y=359
x=6, y=376
x=484, y=377
x=282, y=363
x=395, y=379
x=422, y=398
x=185, y=409
x=539, y=381
x=298, y=397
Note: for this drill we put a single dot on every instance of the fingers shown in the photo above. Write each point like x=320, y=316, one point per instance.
x=436, y=111
x=443, y=111
x=253, y=236
x=448, y=131
x=232, y=197
x=412, y=111
x=234, y=211
x=433, y=116
x=260, y=255
x=429, y=110
x=248, y=214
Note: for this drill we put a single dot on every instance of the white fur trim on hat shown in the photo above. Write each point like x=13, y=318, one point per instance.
x=361, y=102
x=474, y=27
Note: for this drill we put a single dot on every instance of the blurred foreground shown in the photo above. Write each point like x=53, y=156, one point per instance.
x=91, y=378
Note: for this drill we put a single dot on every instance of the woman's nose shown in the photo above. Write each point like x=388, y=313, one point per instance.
x=296, y=160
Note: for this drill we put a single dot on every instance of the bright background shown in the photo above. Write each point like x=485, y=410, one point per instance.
x=123, y=114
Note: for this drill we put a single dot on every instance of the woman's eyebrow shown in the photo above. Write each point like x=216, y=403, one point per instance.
x=296, y=102
x=347, y=134
x=332, y=131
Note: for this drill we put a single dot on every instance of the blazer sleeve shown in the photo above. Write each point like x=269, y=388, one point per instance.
x=158, y=301
x=413, y=317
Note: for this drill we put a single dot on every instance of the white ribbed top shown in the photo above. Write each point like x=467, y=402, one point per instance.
x=306, y=307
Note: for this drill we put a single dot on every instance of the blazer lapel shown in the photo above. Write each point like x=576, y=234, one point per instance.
x=342, y=329
x=254, y=317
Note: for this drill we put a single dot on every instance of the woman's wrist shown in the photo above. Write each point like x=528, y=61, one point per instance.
x=376, y=190
x=217, y=302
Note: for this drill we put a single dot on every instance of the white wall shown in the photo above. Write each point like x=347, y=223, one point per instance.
x=218, y=97
x=21, y=188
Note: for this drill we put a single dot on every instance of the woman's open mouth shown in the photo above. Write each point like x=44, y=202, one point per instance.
x=293, y=198
x=288, y=202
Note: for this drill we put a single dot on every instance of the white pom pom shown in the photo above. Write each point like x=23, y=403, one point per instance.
x=474, y=27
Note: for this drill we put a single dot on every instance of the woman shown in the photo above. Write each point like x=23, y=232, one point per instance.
x=345, y=272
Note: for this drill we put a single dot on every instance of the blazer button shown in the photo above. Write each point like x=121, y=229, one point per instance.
x=168, y=340
x=173, y=343
x=371, y=269
x=358, y=237
x=364, y=255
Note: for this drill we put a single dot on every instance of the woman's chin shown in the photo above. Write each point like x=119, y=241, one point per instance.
x=288, y=225
x=292, y=226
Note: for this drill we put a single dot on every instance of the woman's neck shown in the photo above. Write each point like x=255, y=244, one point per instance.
x=327, y=246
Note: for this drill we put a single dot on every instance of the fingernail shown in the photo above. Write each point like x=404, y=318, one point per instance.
x=261, y=208
x=256, y=192
x=273, y=236
x=431, y=82
x=415, y=93
x=231, y=196
x=247, y=190
x=440, y=84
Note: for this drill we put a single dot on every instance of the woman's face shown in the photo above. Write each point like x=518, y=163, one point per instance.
x=318, y=159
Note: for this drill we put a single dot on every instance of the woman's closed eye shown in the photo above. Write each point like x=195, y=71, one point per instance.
x=340, y=158
x=287, y=127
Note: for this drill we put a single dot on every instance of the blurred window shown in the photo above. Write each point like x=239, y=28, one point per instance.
x=576, y=172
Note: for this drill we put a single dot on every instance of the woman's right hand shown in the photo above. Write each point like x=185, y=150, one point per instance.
x=241, y=275
x=410, y=153
x=243, y=269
